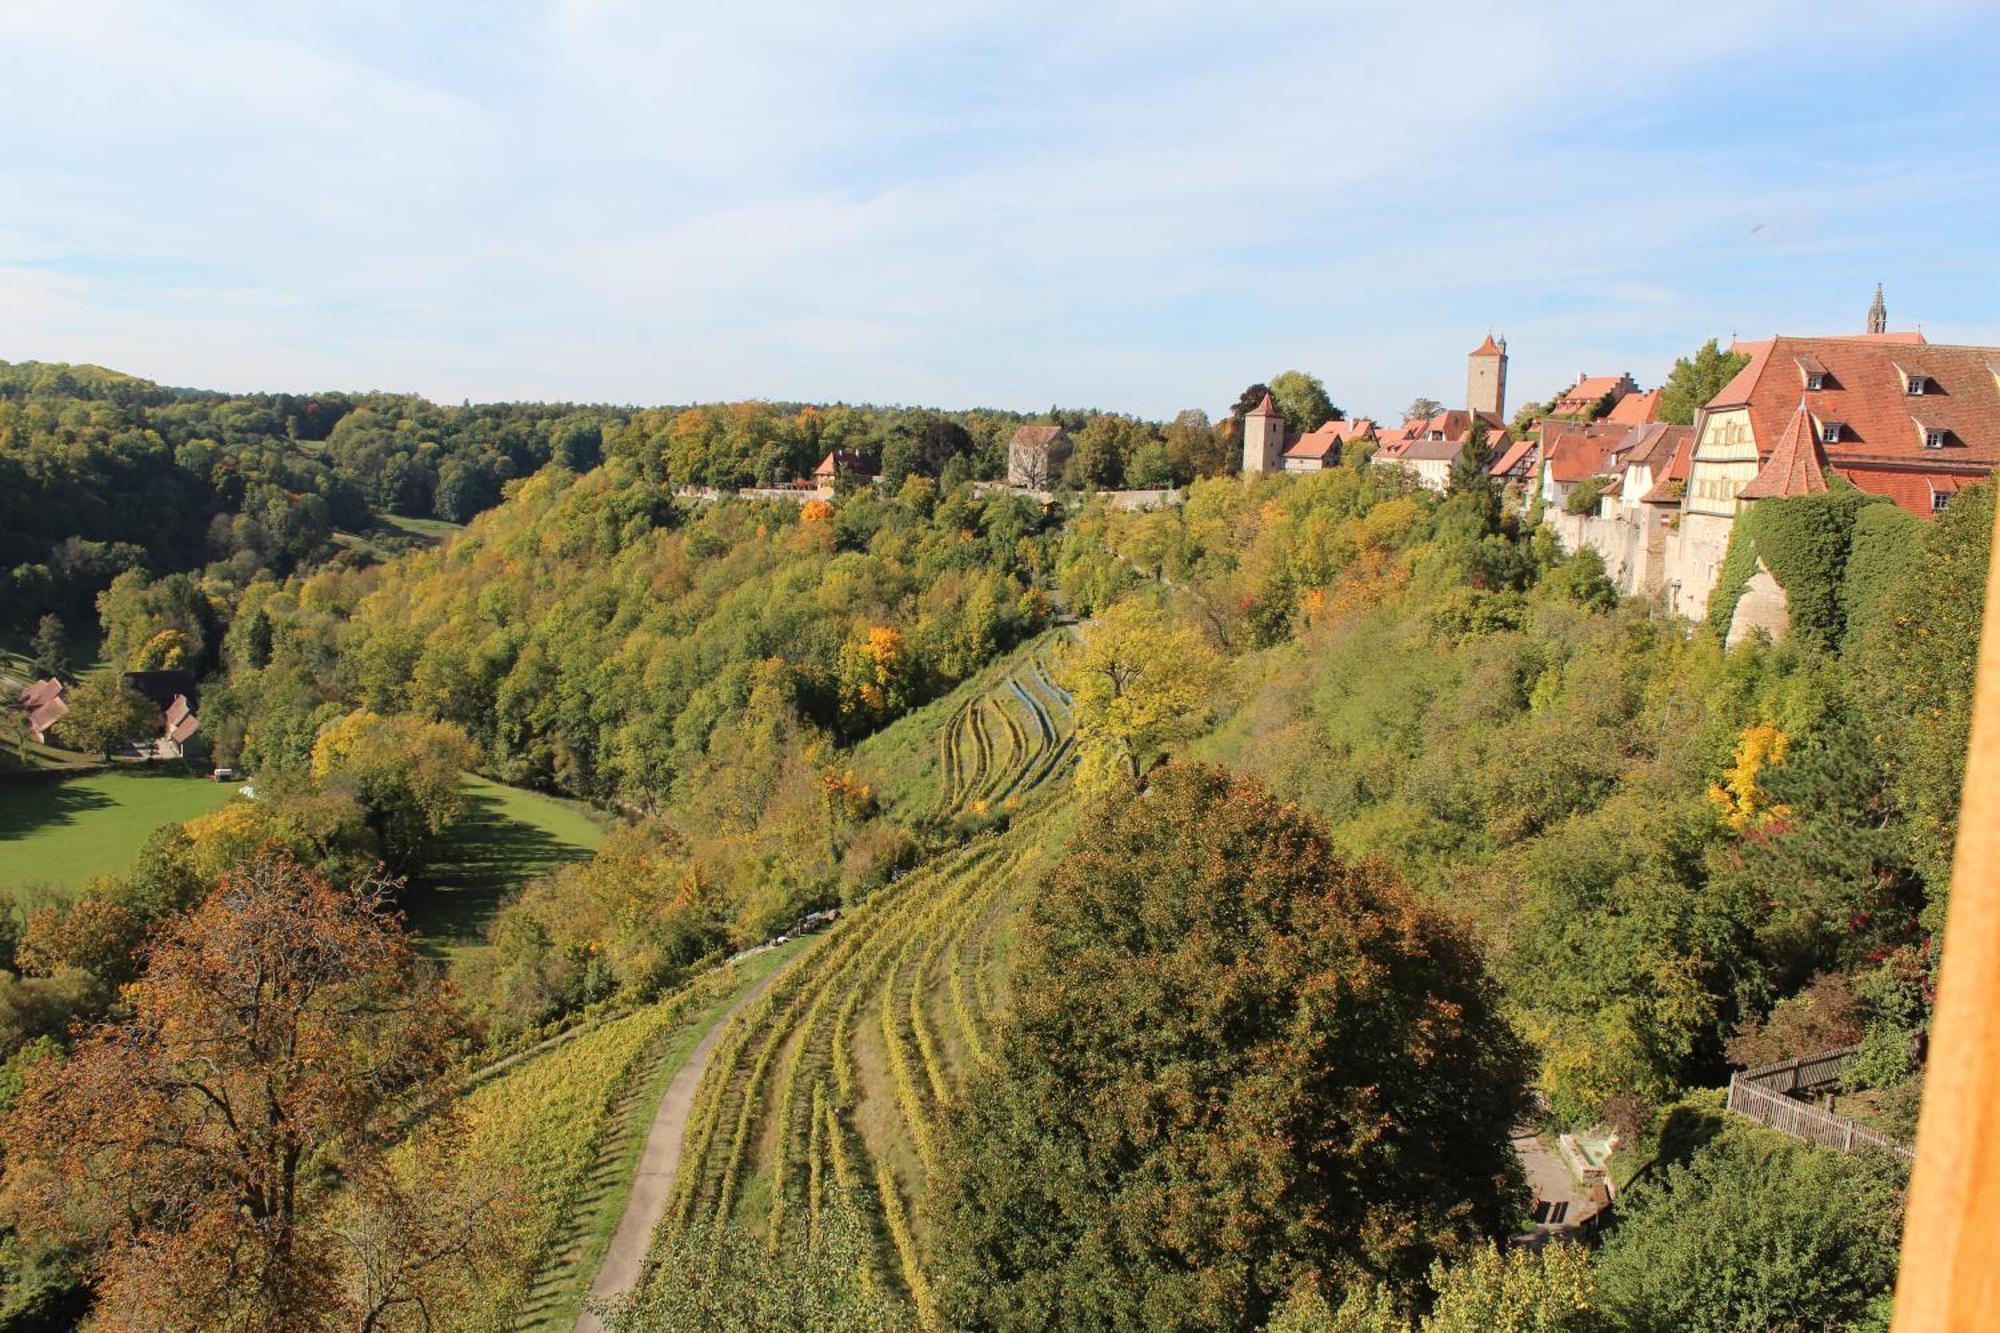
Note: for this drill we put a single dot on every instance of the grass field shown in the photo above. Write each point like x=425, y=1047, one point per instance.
x=506, y=838
x=62, y=833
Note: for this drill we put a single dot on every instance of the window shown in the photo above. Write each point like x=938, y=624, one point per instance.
x=1816, y=379
x=1829, y=432
x=1918, y=385
x=1939, y=499
x=1933, y=437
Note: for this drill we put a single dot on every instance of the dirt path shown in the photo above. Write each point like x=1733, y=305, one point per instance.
x=654, y=1180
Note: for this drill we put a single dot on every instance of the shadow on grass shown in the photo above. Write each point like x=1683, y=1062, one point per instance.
x=488, y=854
x=31, y=805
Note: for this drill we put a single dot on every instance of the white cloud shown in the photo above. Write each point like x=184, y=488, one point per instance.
x=1133, y=205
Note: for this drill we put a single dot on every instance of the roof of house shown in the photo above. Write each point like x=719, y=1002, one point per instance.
x=1647, y=445
x=1036, y=435
x=1636, y=409
x=1424, y=449
x=181, y=723
x=1577, y=450
x=1670, y=482
x=1329, y=437
x=39, y=693
x=1796, y=467
x=842, y=460
x=1265, y=407
x=1517, y=456
x=1589, y=389
x=1882, y=425
x=1489, y=347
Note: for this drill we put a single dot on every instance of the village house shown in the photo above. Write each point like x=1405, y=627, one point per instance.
x=1516, y=463
x=1888, y=413
x=1036, y=456
x=1426, y=447
x=44, y=705
x=1325, y=447
x=837, y=464
x=1572, y=452
x=175, y=694
x=1593, y=395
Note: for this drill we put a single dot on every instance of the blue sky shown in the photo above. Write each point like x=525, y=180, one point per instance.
x=1132, y=206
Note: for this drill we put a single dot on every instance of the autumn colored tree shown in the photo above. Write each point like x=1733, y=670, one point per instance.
x=1303, y=400
x=282, y=1031
x=407, y=775
x=1142, y=684
x=1236, y=1062
x=104, y=715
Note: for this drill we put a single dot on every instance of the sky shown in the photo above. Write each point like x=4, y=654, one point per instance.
x=1139, y=207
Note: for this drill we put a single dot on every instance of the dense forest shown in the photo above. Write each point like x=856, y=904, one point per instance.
x=1387, y=822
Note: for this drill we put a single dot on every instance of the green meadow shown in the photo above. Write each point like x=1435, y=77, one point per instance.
x=62, y=833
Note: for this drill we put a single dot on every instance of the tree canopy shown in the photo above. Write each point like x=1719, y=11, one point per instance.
x=1235, y=1060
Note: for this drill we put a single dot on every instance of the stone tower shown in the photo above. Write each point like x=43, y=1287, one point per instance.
x=1264, y=438
x=1486, y=378
x=1878, y=314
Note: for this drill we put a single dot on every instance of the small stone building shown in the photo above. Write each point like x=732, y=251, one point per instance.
x=1036, y=456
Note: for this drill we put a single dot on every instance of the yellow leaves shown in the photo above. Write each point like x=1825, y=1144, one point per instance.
x=815, y=511
x=1740, y=797
x=885, y=646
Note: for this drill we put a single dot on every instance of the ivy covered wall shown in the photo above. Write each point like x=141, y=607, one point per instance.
x=1832, y=553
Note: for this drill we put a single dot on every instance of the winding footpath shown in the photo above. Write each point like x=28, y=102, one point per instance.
x=625, y=1260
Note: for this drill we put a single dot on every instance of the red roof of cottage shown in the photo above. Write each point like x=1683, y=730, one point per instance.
x=1037, y=435
x=1578, y=449
x=1329, y=437
x=41, y=692
x=1795, y=467
x=1516, y=458
x=1636, y=409
x=842, y=460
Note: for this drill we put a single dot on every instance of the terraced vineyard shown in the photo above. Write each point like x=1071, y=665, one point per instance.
x=565, y=1125
x=835, y=1076
x=1005, y=743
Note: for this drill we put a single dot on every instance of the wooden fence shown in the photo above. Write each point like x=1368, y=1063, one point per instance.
x=1808, y=1073
x=1802, y=1120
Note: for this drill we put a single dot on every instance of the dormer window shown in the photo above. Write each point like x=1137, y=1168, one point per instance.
x=1917, y=385
x=1939, y=499
x=1934, y=437
x=1815, y=379
x=1829, y=432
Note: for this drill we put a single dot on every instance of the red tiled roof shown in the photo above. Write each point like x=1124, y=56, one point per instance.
x=1882, y=425
x=1795, y=467
x=1265, y=407
x=1516, y=457
x=1577, y=449
x=39, y=693
x=1488, y=348
x=1635, y=409
x=1038, y=436
x=1329, y=437
x=842, y=460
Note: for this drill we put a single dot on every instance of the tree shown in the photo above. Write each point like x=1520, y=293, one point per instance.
x=1302, y=398
x=1696, y=379
x=1468, y=470
x=1422, y=409
x=1236, y=1062
x=1756, y=1231
x=406, y=774
x=282, y=1031
x=50, y=648
x=1141, y=684
x=104, y=715
x=1246, y=402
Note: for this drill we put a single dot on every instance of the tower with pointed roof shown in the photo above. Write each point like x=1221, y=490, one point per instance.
x=1878, y=314
x=1486, y=378
x=1264, y=438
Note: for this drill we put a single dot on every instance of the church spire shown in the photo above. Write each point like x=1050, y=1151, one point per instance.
x=1878, y=314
